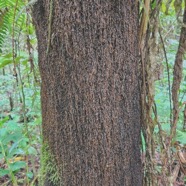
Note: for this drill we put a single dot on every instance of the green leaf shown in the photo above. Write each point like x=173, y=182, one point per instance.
x=3, y=132
x=153, y=5
x=3, y=121
x=3, y=172
x=17, y=165
x=13, y=126
x=181, y=136
x=30, y=175
x=163, y=7
x=32, y=150
x=5, y=62
x=12, y=137
x=13, y=147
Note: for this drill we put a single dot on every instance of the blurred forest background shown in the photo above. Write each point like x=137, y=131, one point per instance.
x=20, y=112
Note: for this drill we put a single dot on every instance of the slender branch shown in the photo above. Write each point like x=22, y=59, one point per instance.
x=168, y=74
x=177, y=76
x=13, y=44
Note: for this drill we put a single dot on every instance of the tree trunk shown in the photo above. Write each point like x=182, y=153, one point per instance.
x=91, y=110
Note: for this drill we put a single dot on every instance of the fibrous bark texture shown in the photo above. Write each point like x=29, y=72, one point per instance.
x=91, y=90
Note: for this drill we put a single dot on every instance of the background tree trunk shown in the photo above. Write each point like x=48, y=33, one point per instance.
x=90, y=90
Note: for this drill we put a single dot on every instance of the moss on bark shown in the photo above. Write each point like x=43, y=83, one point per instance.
x=49, y=170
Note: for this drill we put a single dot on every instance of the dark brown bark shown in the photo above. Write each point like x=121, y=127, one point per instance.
x=90, y=90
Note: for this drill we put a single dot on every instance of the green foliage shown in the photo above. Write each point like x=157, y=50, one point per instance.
x=20, y=116
x=171, y=11
x=16, y=145
x=180, y=133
